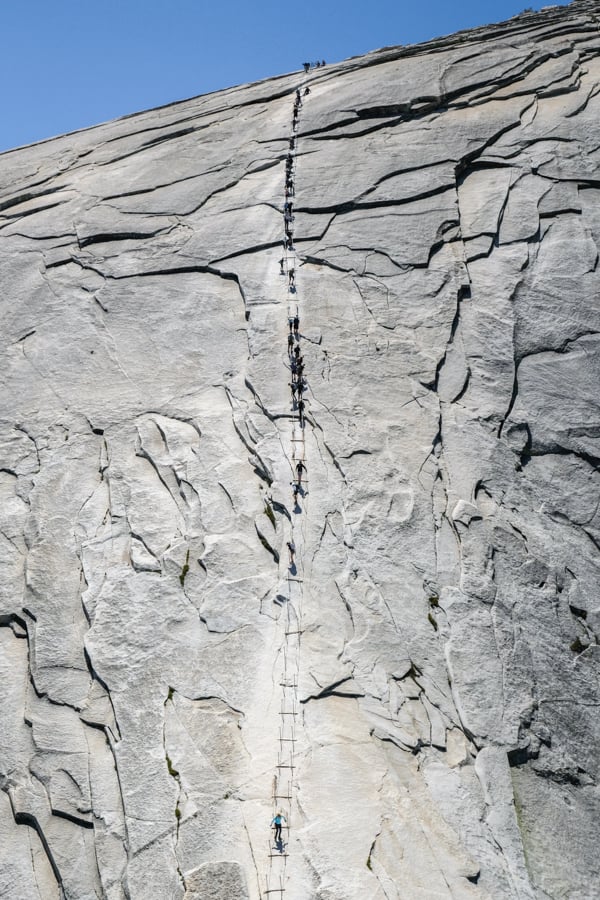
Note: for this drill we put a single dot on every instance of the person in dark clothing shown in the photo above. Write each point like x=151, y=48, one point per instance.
x=301, y=412
x=281, y=269
x=300, y=468
x=296, y=322
x=296, y=351
x=292, y=549
x=306, y=91
x=290, y=342
x=306, y=66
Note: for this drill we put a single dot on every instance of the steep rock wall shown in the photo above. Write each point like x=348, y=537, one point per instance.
x=428, y=665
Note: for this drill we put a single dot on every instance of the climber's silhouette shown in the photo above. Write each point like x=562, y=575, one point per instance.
x=292, y=551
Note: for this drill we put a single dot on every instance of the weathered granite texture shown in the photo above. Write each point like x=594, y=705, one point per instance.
x=447, y=225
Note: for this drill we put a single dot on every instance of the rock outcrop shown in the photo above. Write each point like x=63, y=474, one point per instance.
x=416, y=687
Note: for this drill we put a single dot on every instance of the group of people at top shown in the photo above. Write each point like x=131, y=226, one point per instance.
x=315, y=65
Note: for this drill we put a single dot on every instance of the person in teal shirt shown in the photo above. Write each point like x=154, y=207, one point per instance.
x=277, y=822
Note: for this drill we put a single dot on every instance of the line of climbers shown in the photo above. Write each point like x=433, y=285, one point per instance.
x=282, y=787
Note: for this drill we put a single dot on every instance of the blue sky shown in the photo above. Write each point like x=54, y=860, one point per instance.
x=67, y=64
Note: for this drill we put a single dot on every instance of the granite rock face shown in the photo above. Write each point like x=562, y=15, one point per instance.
x=417, y=689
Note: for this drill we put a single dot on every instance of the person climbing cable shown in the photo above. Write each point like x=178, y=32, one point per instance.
x=306, y=66
x=296, y=322
x=297, y=351
x=278, y=821
x=281, y=269
x=292, y=280
x=292, y=548
x=306, y=91
x=300, y=468
x=301, y=412
x=295, y=492
x=290, y=343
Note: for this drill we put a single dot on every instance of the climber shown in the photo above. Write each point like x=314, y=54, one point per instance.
x=294, y=388
x=300, y=468
x=301, y=412
x=291, y=323
x=298, y=97
x=300, y=387
x=306, y=91
x=281, y=269
x=292, y=548
x=295, y=492
x=290, y=342
x=297, y=351
x=322, y=62
x=306, y=66
x=296, y=322
x=292, y=280
x=277, y=822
